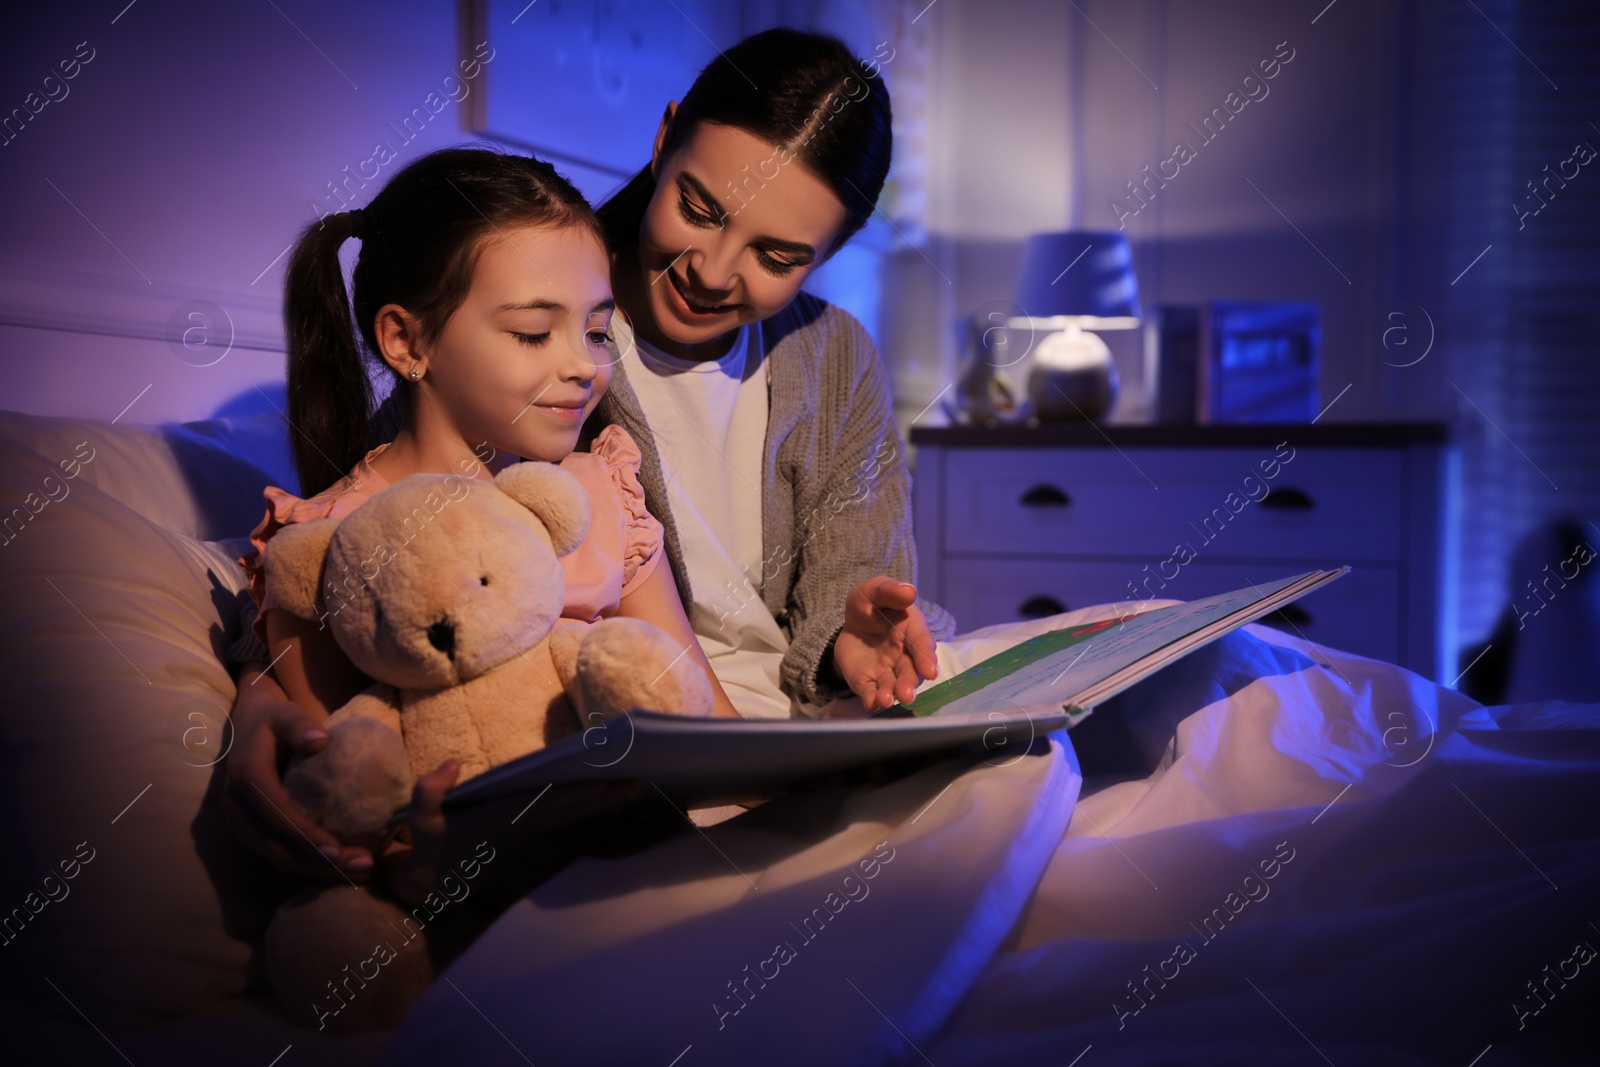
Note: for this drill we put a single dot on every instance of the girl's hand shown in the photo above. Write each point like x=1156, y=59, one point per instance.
x=432, y=846
x=268, y=728
x=885, y=648
x=414, y=872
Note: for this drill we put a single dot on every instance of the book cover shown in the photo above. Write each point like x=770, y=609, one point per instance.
x=1001, y=705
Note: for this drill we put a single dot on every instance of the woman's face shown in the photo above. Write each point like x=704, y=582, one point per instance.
x=734, y=228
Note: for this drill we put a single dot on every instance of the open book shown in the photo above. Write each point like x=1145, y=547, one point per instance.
x=996, y=708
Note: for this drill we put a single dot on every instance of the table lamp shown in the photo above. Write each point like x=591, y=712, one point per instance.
x=1072, y=283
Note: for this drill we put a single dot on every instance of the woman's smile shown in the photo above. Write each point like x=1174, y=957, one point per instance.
x=693, y=308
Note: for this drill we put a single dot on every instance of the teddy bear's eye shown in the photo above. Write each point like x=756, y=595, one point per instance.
x=483, y=580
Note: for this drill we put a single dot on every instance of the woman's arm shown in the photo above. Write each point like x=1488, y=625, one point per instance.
x=885, y=648
x=855, y=542
x=655, y=600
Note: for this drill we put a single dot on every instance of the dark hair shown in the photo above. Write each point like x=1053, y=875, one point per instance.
x=796, y=76
x=420, y=238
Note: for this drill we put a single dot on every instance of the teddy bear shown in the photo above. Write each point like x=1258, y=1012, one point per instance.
x=447, y=592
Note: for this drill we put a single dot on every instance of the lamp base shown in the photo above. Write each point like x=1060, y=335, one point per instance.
x=1073, y=378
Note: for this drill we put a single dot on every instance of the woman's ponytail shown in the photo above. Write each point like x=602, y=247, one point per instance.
x=330, y=395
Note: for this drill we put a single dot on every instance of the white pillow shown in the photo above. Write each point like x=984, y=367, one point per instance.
x=110, y=635
x=201, y=478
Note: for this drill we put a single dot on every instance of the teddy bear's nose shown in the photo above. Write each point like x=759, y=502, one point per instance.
x=442, y=635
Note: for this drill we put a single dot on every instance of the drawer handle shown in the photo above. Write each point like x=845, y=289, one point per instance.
x=1288, y=615
x=1040, y=606
x=1288, y=499
x=1045, y=496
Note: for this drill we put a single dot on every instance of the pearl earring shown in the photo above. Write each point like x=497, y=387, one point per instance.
x=414, y=374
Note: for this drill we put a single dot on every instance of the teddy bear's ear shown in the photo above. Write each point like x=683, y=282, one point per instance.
x=554, y=495
x=293, y=564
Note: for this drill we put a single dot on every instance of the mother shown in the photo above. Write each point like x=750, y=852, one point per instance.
x=763, y=414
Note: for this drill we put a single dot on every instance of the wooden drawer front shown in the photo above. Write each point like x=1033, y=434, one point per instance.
x=1347, y=502
x=1358, y=613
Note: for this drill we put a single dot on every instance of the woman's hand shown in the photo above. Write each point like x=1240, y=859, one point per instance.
x=885, y=648
x=267, y=729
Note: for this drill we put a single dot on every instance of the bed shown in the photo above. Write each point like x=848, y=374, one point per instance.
x=1285, y=854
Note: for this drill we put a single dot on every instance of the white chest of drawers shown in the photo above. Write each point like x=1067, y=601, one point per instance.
x=1017, y=522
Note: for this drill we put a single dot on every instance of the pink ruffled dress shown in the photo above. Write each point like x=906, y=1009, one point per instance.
x=622, y=549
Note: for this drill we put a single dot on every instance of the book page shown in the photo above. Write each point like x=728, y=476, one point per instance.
x=1054, y=667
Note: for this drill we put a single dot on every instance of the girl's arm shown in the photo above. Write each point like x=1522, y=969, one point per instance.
x=268, y=727
x=312, y=668
x=656, y=601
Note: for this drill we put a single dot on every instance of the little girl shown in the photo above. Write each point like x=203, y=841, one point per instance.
x=482, y=285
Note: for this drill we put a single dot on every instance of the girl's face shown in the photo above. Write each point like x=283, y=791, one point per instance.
x=523, y=361
x=734, y=228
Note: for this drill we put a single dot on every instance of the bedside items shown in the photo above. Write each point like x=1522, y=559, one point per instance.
x=1016, y=522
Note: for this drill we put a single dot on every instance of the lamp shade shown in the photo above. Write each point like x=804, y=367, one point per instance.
x=1080, y=274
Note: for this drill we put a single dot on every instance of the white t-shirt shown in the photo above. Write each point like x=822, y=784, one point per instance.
x=709, y=421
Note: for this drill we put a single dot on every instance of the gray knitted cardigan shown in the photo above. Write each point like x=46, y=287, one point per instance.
x=835, y=490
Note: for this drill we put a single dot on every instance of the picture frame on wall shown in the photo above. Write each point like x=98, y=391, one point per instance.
x=583, y=85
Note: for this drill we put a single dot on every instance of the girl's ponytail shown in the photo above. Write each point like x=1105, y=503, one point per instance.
x=330, y=395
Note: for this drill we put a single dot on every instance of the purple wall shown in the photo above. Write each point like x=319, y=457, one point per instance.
x=181, y=161
x=156, y=192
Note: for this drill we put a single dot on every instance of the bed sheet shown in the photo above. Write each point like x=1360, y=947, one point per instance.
x=1334, y=864
x=1333, y=861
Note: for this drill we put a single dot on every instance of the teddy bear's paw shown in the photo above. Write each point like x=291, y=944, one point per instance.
x=628, y=664
x=356, y=782
x=344, y=960
x=565, y=640
x=377, y=701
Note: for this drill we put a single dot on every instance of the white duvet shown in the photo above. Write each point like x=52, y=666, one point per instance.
x=1335, y=861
